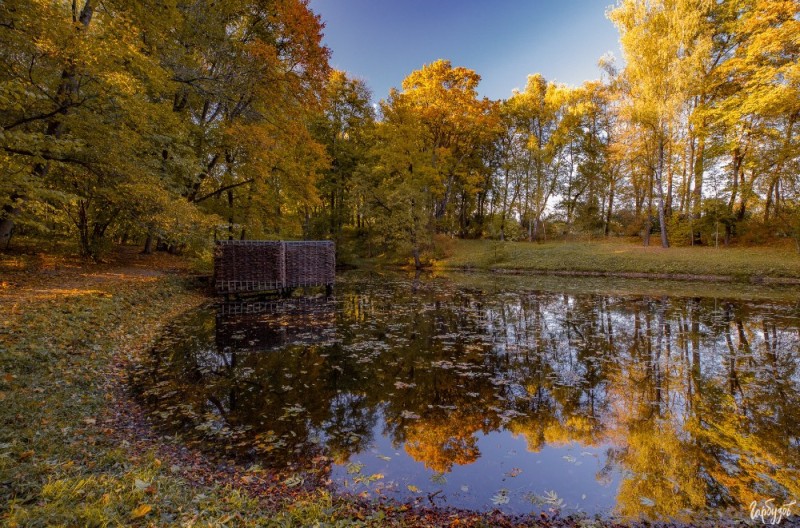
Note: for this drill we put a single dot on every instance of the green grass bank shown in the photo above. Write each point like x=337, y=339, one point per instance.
x=626, y=259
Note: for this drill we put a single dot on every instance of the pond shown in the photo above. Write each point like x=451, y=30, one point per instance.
x=481, y=392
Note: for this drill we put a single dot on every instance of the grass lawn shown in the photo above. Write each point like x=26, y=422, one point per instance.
x=624, y=257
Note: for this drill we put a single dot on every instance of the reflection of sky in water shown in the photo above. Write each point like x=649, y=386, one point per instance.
x=492, y=397
x=506, y=469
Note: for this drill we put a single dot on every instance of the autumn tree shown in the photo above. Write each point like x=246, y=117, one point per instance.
x=399, y=197
x=543, y=119
x=250, y=76
x=757, y=108
x=598, y=168
x=664, y=47
x=458, y=124
x=510, y=162
x=114, y=112
x=81, y=116
x=429, y=166
x=345, y=129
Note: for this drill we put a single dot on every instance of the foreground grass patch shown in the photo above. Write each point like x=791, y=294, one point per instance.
x=62, y=333
x=66, y=335
x=624, y=257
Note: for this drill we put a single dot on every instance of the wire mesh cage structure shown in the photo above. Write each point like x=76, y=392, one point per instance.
x=310, y=263
x=253, y=266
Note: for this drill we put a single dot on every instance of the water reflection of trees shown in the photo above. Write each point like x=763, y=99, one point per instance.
x=697, y=398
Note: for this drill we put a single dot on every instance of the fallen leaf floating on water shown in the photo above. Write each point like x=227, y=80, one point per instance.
x=354, y=468
x=552, y=498
x=501, y=497
x=439, y=478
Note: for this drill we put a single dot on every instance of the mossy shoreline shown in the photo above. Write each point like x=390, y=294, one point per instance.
x=754, y=279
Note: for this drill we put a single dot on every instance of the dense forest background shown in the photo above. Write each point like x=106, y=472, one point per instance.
x=169, y=124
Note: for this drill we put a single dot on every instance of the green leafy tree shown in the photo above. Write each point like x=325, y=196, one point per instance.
x=80, y=117
x=345, y=129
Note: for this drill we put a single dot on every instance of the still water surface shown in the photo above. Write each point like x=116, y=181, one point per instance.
x=485, y=394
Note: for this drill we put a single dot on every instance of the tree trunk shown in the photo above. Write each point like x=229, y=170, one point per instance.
x=670, y=177
x=686, y=183
x=648, y=225
x=661, y=213
x=230, y=215
x=148, y=245
x=736, y=163
x=415, y=253
x=83, y=229
x=9, y=212
x=607, y=228
x=697, y=192
x=333, y=212
x=768, y=204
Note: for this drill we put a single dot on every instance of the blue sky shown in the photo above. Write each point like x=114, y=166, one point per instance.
x=382, y=41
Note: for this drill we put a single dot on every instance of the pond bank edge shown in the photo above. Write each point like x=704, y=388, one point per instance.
x=688, y=277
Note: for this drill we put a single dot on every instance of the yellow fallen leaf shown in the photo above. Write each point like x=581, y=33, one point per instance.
x=141, y=511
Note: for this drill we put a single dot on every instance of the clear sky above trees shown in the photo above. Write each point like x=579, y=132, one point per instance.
x=503, y=40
